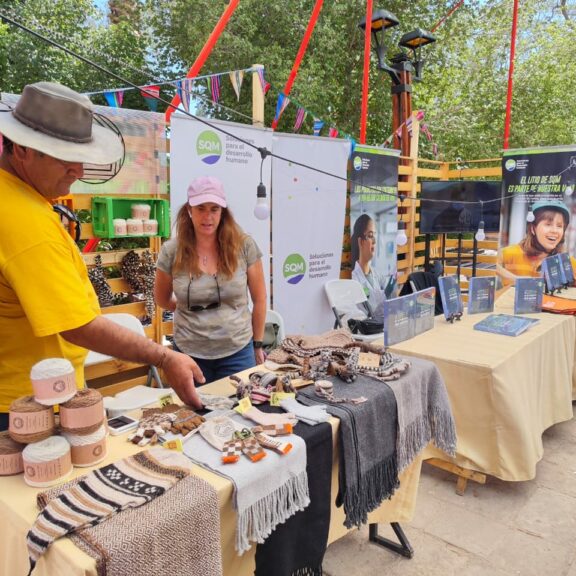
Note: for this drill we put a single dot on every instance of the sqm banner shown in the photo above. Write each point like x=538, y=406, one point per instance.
x=537, y=209
x=308, y=215
x=373, y=226
x=198, y=150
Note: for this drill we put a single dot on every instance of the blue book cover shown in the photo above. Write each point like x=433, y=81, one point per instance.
x=424, y=310
x=566, y=270
x=399, y=319
x=451, y=296
x=481, y=292
x=551, y=269
x=505, y=324
x=528, y=296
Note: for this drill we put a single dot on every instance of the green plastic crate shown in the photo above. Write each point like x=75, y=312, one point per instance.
x=106, y=208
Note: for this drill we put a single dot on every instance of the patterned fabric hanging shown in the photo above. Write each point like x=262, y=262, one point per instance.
x=214, y=86
x=263, y=82
x=150, y=95
x=114, y=99
x=183, y=89
x=300, y=116
x=236, y=79
x=318, y=125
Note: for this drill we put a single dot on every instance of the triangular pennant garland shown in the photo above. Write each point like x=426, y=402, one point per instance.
x=333, y=132
x=263, y=82
x=182, y=86
x=318, y=125
x=150, y=95
x=283, y=101
x=214, y=85
x=236, y=78
x=300, y=116
x=114, y=99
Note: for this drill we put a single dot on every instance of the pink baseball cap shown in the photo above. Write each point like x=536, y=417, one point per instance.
x=206, y=189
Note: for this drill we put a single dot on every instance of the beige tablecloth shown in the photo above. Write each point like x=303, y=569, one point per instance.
x=18, y=511
x=504, y=391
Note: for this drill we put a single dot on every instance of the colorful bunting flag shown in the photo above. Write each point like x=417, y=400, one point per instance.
x=435, y=150
x=183, y=89
x=283, y=101
x=318, y=125
x=425, y=129
x=352, y=144
x=300, y=116
x=150, y=95
x=214, y=86
x=236, y=79
x=333, y=132
x=263, y=82
x=114, y=99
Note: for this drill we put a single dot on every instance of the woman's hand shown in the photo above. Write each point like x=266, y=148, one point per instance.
x=260, y=356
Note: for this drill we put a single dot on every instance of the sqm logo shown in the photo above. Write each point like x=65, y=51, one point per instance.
x=208, y=147
x=357, y=163
x=510, y=165
x=294, y=268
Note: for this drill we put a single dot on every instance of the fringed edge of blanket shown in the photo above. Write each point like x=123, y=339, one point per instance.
x=308, y=571
x=377, y=485
x=258, y=521
x=414, y=437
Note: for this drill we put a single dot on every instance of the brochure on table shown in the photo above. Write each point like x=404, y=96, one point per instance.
x=528, y=295
x=424, y=310
x=481, y=294
x=566, y=270
x=505, y=324
x=451, y=297
x=399, y=319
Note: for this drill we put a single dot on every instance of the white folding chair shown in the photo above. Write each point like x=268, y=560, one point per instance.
x=274, y=319
x=347, y=299
x=132, y=323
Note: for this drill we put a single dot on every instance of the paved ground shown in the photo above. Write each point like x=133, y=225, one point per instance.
x=498, y=529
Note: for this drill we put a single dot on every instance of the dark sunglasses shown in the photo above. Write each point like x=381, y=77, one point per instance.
x=211, y=306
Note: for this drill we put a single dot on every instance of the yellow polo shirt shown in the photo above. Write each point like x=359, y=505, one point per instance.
x=44, y=289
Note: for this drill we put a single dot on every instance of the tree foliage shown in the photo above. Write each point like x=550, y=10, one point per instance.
x=463, y=92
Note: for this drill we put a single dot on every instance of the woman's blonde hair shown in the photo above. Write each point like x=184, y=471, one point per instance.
x=229, y=237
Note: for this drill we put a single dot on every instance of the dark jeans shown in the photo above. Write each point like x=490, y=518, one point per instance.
x=3, y=421
x=221, y=367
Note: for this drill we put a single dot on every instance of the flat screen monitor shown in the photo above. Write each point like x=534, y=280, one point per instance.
x=455, y=214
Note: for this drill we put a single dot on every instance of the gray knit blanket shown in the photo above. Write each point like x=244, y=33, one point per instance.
x=368, y=461
x=266, y=493
x=177, y=533
x=424, y=413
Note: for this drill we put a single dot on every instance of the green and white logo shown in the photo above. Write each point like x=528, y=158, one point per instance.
x=209, y=147
x=510, y=164
x=357, y=162
x=294, y=268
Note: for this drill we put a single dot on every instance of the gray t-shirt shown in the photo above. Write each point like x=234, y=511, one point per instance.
x=219, y=332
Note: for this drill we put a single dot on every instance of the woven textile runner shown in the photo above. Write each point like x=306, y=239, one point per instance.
x=266, y=493
x=177, y=531
x=424, y=412
x=368, y=460
x=297, y=547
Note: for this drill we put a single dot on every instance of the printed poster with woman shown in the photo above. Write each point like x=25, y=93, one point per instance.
x=537, y=209
x=373, y=223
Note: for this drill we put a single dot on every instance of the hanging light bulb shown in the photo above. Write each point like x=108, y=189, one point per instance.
x=480, y=234
x=261, y=210
x=401, y=238
x=530, y=217
x=569, y=190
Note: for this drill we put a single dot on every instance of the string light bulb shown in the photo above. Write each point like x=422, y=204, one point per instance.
x=480, y=234
x=262, y=209
x=569, y=190
x=401, y=238
x=530, y=216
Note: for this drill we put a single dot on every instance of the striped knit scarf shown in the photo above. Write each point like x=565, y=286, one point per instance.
x=128, y=483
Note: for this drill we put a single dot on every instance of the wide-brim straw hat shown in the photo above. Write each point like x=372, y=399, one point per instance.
x=59, y=122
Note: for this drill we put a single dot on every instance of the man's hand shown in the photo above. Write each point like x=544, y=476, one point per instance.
x=260, y=356
x=181, y=373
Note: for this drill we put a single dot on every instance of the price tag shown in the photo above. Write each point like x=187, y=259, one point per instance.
x=275, y=397
x=243, y=405
x=166, y=399
x=174, y=444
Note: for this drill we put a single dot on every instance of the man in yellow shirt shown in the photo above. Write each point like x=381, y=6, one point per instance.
x=48, y=307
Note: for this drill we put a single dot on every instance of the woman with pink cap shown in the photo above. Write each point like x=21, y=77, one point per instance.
x=204, y=275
